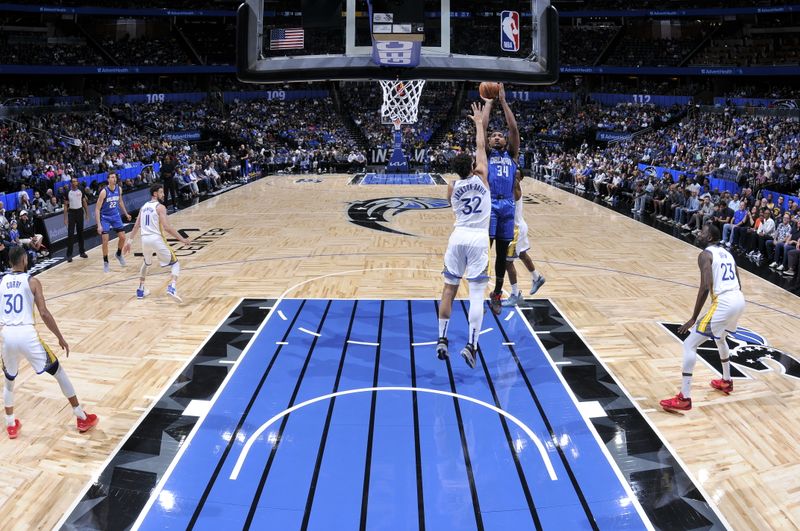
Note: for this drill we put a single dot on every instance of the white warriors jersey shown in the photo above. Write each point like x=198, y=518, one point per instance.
x=16, y=298
x=150, y=224
x=472, y=203
x=723, y=270
x=518, y=217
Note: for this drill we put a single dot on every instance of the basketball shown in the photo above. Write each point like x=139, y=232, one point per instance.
x=489, y=90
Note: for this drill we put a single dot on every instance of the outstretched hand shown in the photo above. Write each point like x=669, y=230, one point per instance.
x=477, y=113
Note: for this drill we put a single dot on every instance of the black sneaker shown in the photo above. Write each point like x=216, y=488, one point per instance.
x=84, y=255
x=468, y=353
x=69, y=259
x=441, y=349
x=496, y=303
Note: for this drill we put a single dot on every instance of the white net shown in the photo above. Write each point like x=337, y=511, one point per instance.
x=401, y=100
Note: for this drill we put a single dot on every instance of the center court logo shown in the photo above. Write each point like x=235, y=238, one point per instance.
x=748, y=349
x=373, y=213
x=197, y=243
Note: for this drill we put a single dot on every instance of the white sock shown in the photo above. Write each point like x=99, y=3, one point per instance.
x=690, y=345
x=10, y=420
x=476, y=291
x=686, y=385
x=514, y=290
x=78, y=410
x=535, y=275
x=724, y=354
x=443, y=324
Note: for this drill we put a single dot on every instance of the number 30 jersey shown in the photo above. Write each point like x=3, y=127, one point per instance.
x=472, y=203
x=17, y=301
x=723, y=270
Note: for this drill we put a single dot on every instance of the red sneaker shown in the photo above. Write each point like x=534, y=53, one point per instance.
x=726, y=386
x=677, y=403
x=495, y=303
x=87, y=424
x=13, y=431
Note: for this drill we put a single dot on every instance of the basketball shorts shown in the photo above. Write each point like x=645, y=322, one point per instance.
x=520, y=243
x=23, y=342
x=501, y=225
x=154, y=244
x=109, y=223
x=723, y=316
x=467, y=256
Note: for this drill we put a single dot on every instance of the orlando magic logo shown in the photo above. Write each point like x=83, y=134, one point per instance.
x=786, y=104
x=749, y=350
x=371, y=213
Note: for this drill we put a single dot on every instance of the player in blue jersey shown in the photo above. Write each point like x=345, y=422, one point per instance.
x=503, y=154
x=107, y=214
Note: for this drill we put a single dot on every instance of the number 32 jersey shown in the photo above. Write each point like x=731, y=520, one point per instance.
x=472, y=203
x=16, y=298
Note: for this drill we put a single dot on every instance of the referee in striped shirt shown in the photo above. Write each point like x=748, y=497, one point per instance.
x=77, y=210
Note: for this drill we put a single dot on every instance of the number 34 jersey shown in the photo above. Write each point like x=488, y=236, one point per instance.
x=16, y=298
x=472, y=203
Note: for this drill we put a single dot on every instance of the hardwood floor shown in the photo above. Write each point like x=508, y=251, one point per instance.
x=614, y=278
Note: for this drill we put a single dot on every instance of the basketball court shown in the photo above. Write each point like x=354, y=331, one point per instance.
x=297, y=385
x=298, y=382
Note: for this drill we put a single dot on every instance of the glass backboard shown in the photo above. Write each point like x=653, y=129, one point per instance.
x=512, y=41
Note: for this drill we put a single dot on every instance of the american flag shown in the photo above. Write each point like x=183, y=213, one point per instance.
x=286, y=39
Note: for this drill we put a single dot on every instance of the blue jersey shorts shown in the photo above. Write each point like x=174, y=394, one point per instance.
x=109, y=223
x=501, y=225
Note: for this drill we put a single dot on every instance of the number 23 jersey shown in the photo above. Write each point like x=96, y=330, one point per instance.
x=472, y=204
x=723, y=271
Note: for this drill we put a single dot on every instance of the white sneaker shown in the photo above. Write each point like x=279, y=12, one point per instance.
x=773, y=265
x=779, y=268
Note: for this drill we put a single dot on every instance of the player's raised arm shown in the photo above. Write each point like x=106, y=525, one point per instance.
x=481, y=160
x=513, y=130
x=486, y=114
x=162, y=217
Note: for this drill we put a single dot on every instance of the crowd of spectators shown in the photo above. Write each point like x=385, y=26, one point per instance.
x=37, y=49
x=582, y=45
x=633, y=50
x=364, y=101
x=147, y=51
x=746, y=45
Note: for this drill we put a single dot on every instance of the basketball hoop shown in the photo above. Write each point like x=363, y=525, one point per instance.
x=401, y=100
